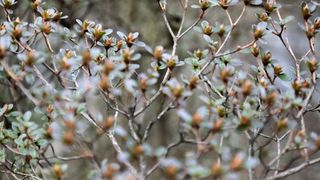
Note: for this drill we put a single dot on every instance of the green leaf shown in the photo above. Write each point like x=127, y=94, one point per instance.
x=284, y=77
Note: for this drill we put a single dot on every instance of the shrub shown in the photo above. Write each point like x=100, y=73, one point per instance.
x=79, y=95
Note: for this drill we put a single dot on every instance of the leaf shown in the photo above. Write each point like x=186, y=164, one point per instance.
x=27, y=115
x=284, y=77
x=287, y=20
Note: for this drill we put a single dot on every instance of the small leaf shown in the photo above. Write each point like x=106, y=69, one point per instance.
x=284, y=77
x=286, y=20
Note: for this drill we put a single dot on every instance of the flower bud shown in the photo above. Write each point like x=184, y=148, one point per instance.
x=277, y=70
x=171, y=63
x=68, y=137
x=107, y=123
x=258, y=33
x=196, y=120
x=224, y=3
x=221, y=111
x=312, y=65
x=109, y=172
x=282, y=124
x=269, y=6
x=193, y=82
x=266, y=58
x=57, y=171
x=138, y=150
x=310, y=31
x=104, y=83
x=217, y=125
x=108, y=67
x=157, y=54
x=246, y=87
x=222, y=30
x=3, y=52
x=236, y=163
x=306, y=11
x=255, y=50
x=317, y=23
x=263, y=17
x=216, y=170
x=204, y=4
x=86, y=57
x=208, y=30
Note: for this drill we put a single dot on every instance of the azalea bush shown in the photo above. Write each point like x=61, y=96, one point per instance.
x=78, y=102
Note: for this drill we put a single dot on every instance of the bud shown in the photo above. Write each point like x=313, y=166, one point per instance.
x=312, y=65
x=266, y=58
x=282, y=124
x=198, y=53
x=57, y=171
x=104, y=83
x=221, y=111
x=143, y=84
x=222, y=30
x=245, y=121
x=16, y=33
x=109, y=172
x=36, y=4
x=310, y=31
x=177, y=91
x=3, y=52
x=277, y=70
x=126, y=55
x=263, y=17
x=236, y=163
x=224, y=3
x=171, y=63
x=108, y=67
x=269, y=6
x=157, y=54
x=208, y=30
x=258, y=33
x=130, y=39
x=297, y=86
x=217, y=125
x=68, y=137
x=246, y=87
x=255, y=50
x=138, y=150
x=50, y=109
x=271, y=98
x=30, y=59
x=193, y=82
x=48, y=133
x=196, y=120
x=204, y=4
x=46, y=28
x=171, y=171
x=306, y=11
x=107, y=123
x=86, y=57
x=216, y=170
x=107, y=43
x=224, y=75
x=97, y=32
x=64, y=64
